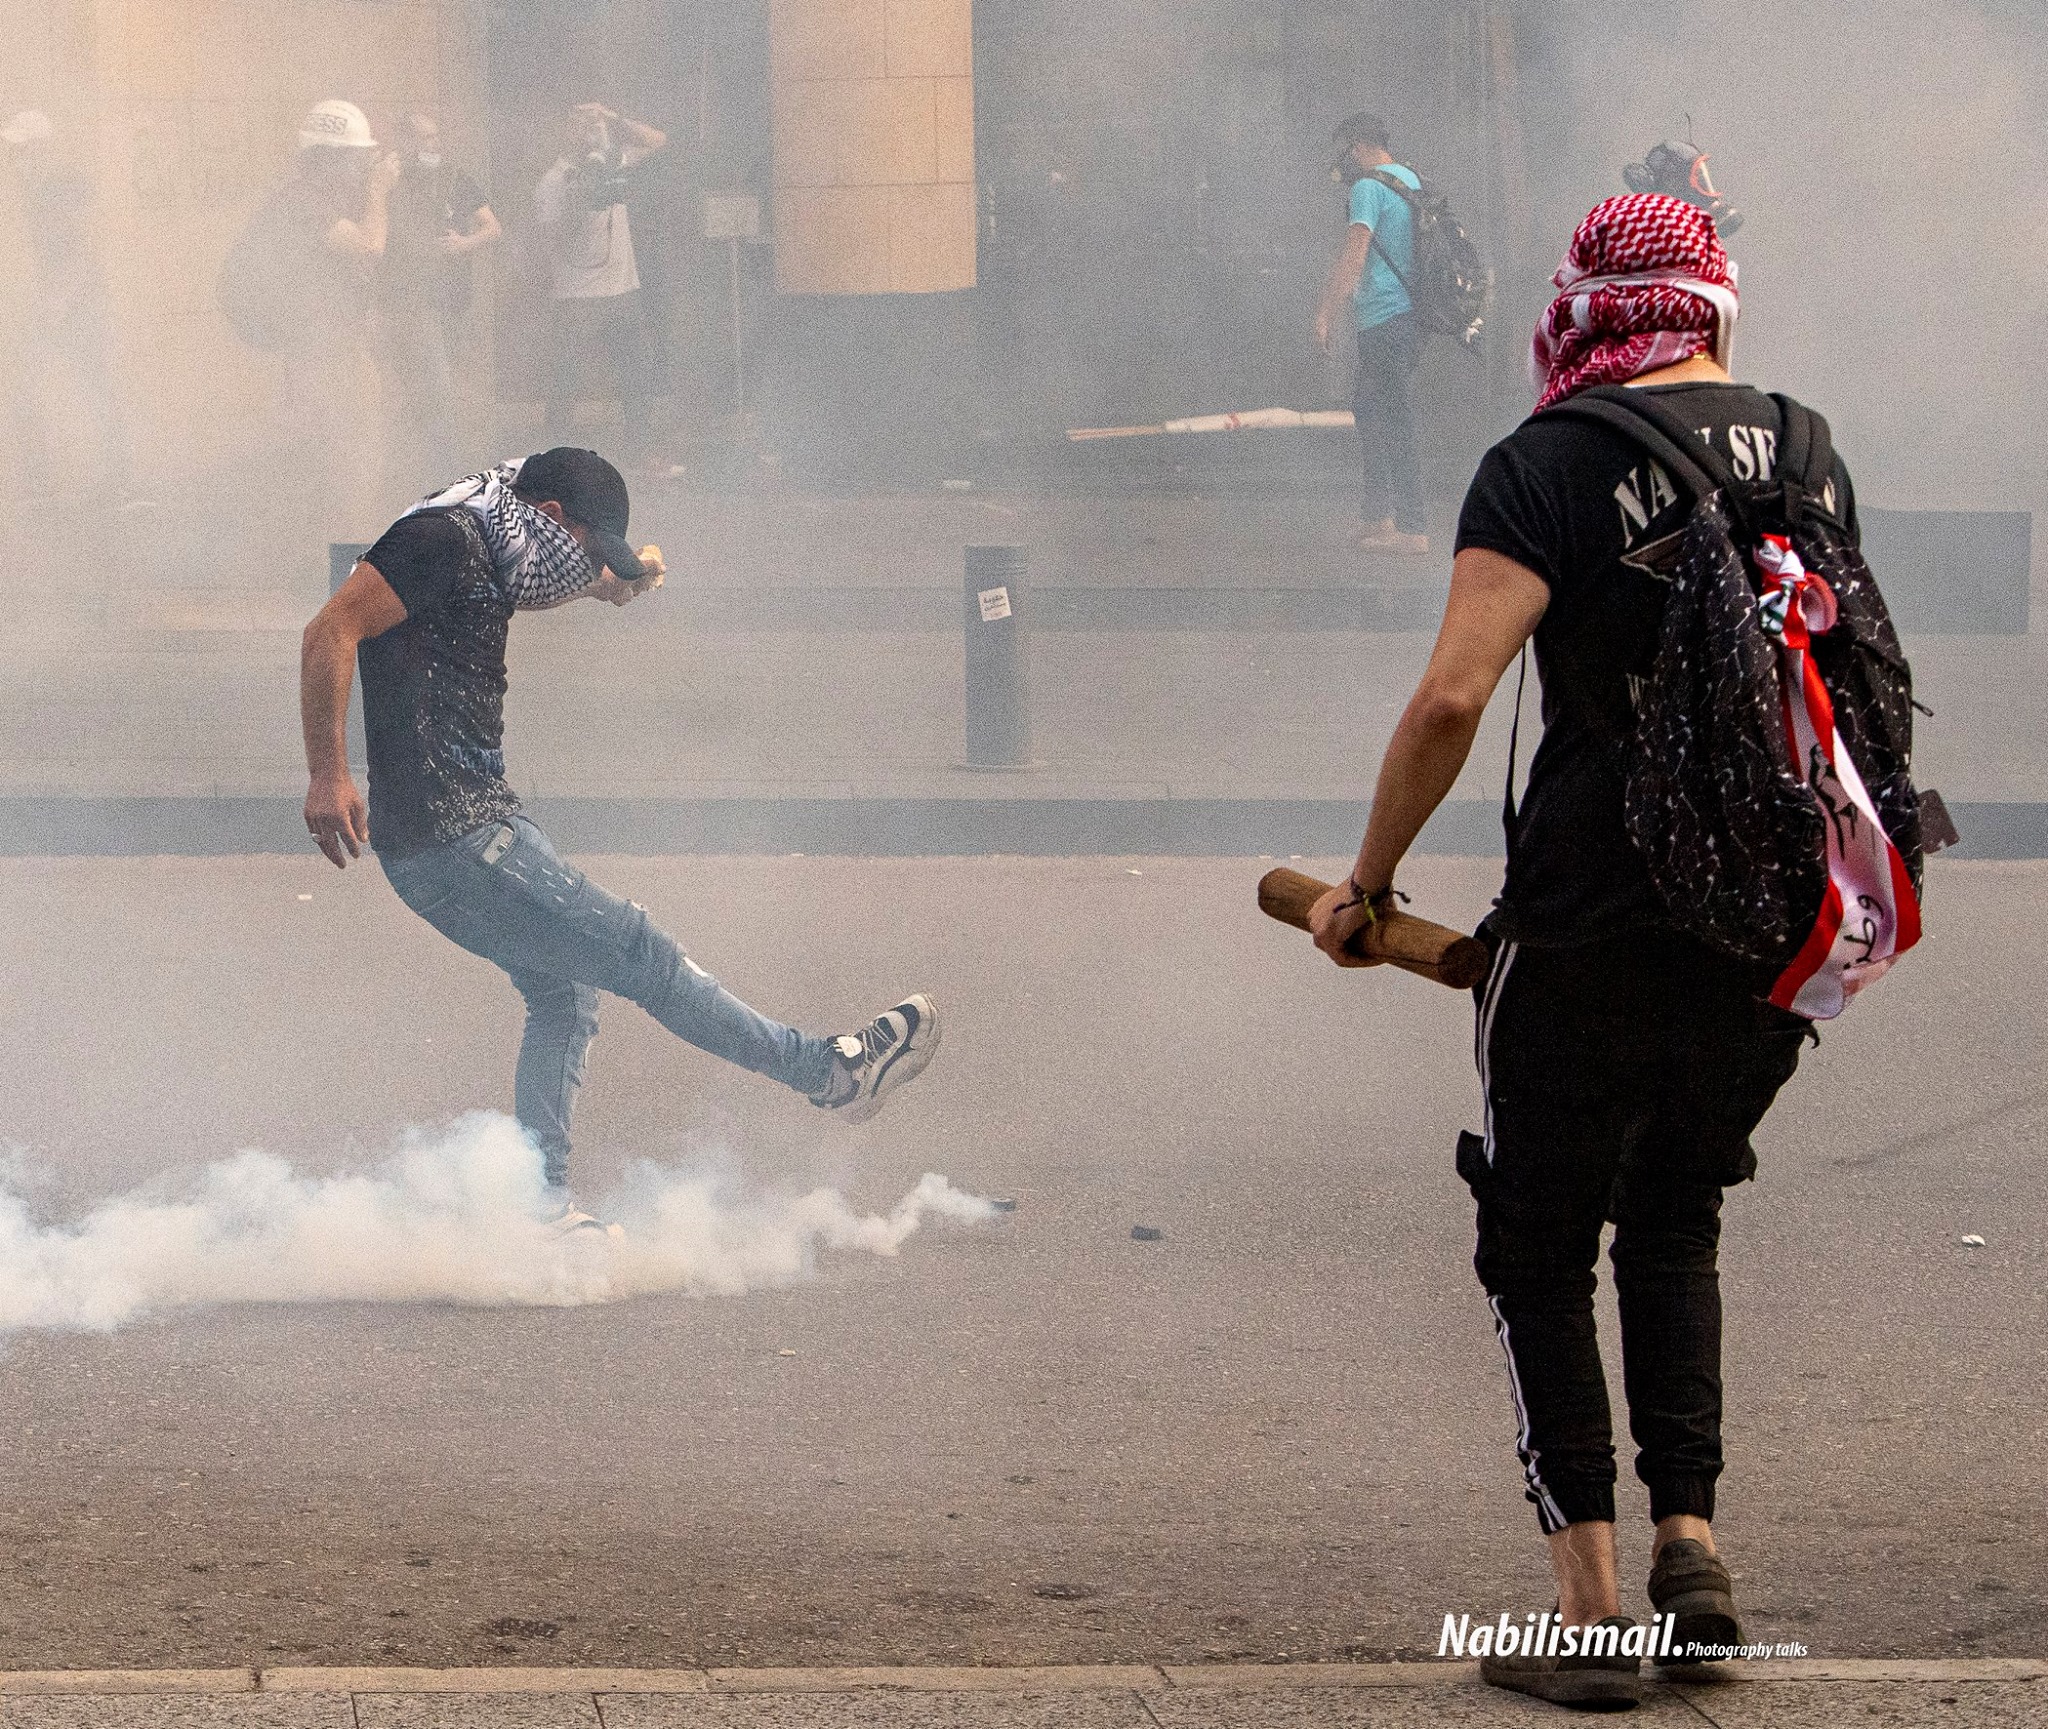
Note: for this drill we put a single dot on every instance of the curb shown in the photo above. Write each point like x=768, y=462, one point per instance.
x=1067, y=1678
x=1023, y=822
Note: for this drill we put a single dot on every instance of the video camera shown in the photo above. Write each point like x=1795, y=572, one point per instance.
x=600, y=179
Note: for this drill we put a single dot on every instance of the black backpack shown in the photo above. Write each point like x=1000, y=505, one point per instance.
x=1449, y=286
x=254, y=288
x=1733, y=836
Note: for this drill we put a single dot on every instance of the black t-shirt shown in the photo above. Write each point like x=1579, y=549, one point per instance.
x=1589, y=512
x=434, y=687
x=426, y=204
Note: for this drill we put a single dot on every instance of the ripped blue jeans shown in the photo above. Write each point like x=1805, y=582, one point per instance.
x=502, y=892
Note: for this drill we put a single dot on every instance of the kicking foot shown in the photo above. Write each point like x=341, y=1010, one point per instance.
x=1607, y=1681
x=1690, y=1584
x=574, y=1222
x=872, y=1063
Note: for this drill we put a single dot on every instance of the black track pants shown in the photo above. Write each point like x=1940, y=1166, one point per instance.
x=1621, y=1082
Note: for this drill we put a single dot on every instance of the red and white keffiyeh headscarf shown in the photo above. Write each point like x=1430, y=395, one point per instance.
x=1645, y=283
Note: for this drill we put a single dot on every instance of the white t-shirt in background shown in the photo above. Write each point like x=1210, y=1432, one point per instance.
x=591, y=251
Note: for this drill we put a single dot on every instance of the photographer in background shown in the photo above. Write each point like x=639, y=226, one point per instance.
x=1680, y=171
x=581, y=206
x=439, y=220
x=297, y=284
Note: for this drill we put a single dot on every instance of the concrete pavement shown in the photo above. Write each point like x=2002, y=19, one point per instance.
x=1983, y=1694
x=1281, y=1432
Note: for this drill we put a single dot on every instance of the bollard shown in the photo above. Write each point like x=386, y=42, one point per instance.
x=998, y=685
x=341, y=559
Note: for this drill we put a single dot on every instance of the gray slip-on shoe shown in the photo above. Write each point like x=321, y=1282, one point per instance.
x=1690, y=1585
x=1603, y=1680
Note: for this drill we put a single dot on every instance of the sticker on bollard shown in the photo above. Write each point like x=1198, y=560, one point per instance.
x=995, y=604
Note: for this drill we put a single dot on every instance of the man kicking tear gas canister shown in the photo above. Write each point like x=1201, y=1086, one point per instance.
x=1623, y=1063
x=428, y=610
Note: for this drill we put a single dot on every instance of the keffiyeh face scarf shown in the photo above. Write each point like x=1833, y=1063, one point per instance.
x=535, y=559
x=1645, y=283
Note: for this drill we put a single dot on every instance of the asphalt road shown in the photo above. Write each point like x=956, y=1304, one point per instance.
x=1281, y=1431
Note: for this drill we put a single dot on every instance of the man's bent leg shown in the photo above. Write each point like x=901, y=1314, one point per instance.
x=561, y=1020
x=503, y=893
x=694, y=1006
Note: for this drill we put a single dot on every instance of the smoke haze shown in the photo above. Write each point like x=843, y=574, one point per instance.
x=454, y=1215
x=1893, y=168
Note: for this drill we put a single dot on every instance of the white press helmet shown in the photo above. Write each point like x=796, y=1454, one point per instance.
x=336, y=125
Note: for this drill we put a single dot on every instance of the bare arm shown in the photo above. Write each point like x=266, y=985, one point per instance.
x=607, y=586
x=363, y=607
x=1345, y=271
x=644, y=139
x=1495, y=604
x=366, y=237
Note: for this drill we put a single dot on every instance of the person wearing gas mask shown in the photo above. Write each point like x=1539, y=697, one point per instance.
x=439, y=219
x=581, y=205
x=1368, y=280
x=1680, y=171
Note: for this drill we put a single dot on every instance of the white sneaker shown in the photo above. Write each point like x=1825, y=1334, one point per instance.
x=891, y=1049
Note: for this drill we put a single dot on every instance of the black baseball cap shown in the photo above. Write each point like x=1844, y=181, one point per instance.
x=591, y=492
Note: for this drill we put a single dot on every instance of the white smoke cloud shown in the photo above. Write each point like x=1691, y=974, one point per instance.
x=455, y=1215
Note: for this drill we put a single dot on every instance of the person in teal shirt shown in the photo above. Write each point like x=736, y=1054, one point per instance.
x=1370, y=273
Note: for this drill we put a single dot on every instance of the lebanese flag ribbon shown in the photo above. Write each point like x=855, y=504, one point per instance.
x=1870, y=914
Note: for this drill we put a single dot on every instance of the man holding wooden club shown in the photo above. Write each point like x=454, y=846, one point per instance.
x=1623, y=1064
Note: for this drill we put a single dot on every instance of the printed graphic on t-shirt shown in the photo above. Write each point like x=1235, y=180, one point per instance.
x=1589, y=512
x=1645, y=494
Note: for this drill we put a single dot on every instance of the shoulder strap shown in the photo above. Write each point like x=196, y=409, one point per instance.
x=1509, y=814
x=1373, y=249
x=1694, y=465
x=1806, y=450
x=1410, y=195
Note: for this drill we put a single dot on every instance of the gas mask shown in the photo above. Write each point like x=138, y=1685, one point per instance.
x=1680, y=171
